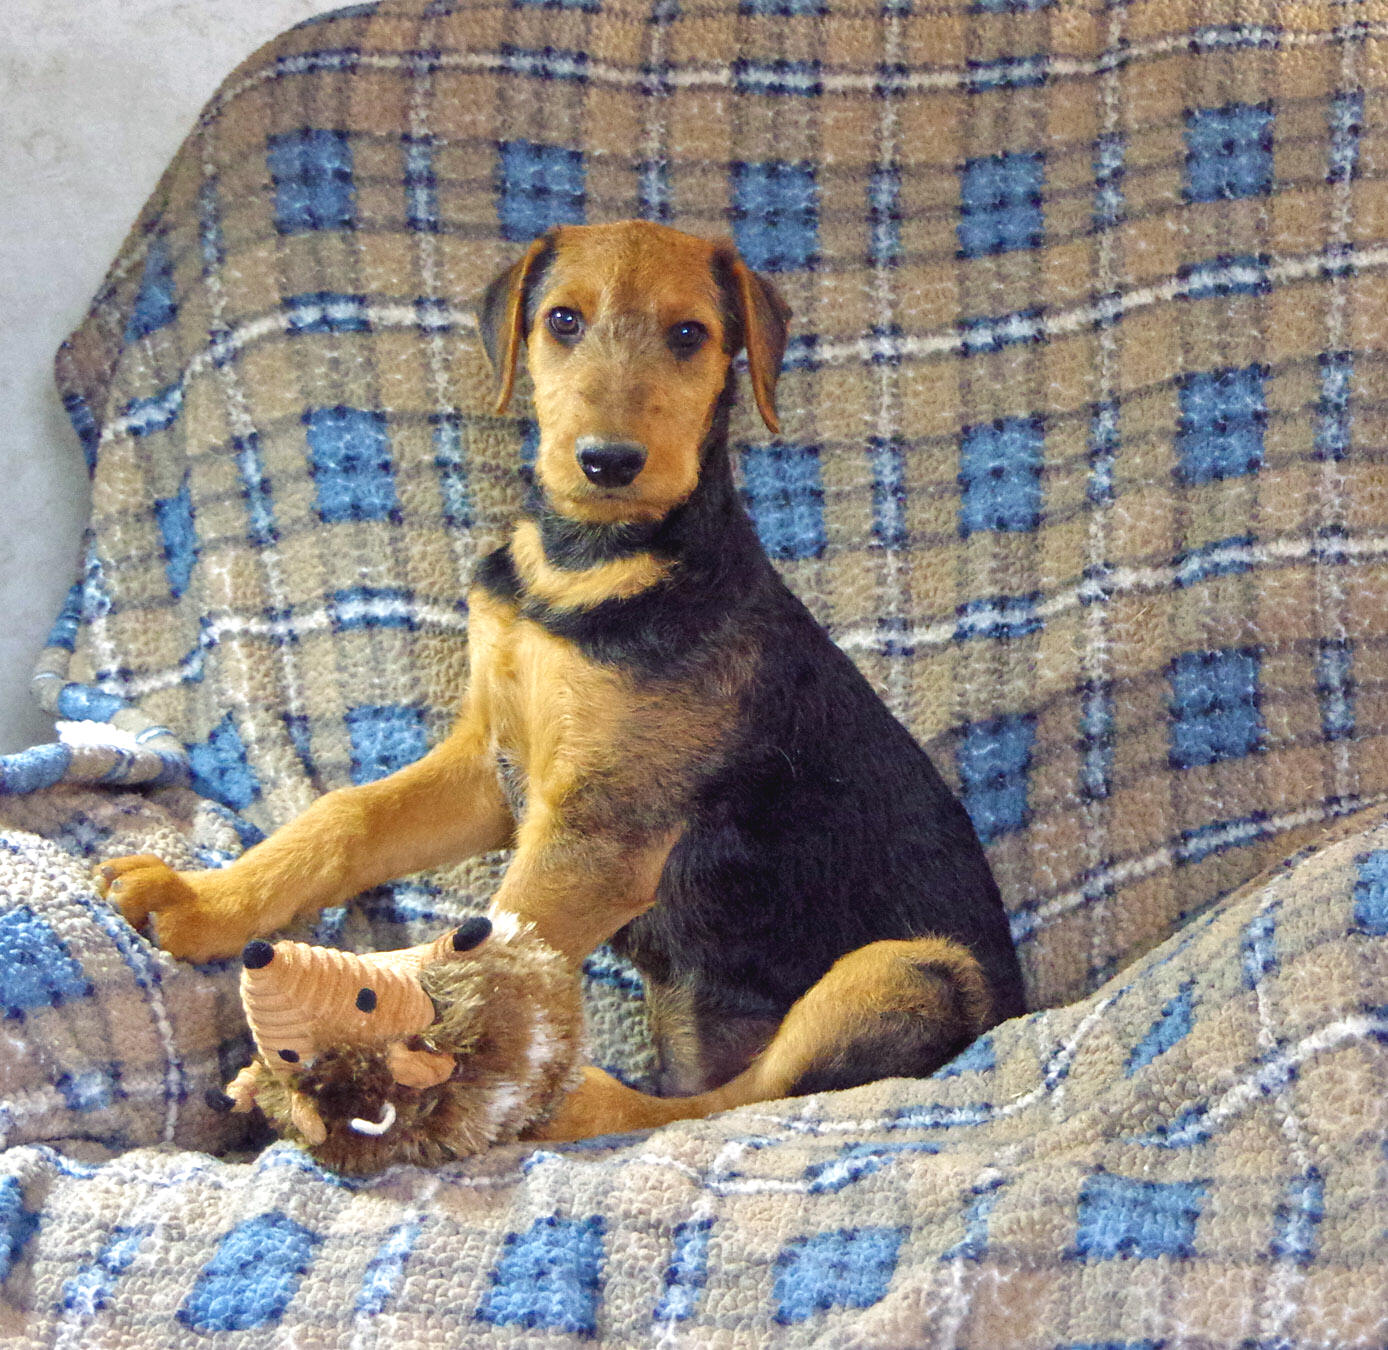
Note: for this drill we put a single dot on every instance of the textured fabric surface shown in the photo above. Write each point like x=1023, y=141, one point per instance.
x=1082, y=462
x=1192, y=1156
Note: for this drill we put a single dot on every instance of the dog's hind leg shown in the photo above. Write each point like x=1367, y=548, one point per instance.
x=890, y=1009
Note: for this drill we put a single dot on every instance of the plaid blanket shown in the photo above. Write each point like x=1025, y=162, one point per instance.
x=1082, y=462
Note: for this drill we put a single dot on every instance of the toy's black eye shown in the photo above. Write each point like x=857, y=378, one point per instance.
x=566, y=324
x=289, y=1056
x=684, y=339
x=366, y=1000
x=471, y=932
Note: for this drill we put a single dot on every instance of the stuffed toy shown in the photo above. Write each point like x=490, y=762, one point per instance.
x=420, y=1055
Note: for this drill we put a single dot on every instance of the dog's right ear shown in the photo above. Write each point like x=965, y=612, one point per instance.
x=501, y=316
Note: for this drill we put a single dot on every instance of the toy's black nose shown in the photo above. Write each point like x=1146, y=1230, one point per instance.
x=610, y=463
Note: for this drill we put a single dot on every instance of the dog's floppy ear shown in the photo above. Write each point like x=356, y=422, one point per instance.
x=501, y=316
x=765, y=318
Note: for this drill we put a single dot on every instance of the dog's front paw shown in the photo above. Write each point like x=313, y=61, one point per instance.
x=188, y=923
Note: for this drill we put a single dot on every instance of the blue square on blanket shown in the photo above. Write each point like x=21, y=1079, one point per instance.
x=1223, y=413
x=847, y=1268
x=1128, y=1217
x=154, y=305
x=220, y=768
x=785, y=497
x=252, y=1276
x=18, y=1224
x=36, y=968
x=175, y=518
x=349, y=453
x=312, y=174
x=1000, y=474
x=994, y=760
x=785, y=9
x=90, y=1290
x=548, y=1277
x=538, y=186
x=385, y=737
x=1371, y=894
x=776, y=214
x=93, y=1090
x=1228, y=152
x=1000, y=203
x=1215, y=713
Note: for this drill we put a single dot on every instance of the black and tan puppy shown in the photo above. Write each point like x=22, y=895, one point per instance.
x=682, y=760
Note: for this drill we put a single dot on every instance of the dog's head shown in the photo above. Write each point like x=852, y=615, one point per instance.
x=629, y=330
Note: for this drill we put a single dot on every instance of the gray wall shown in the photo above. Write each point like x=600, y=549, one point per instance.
x=95, y=96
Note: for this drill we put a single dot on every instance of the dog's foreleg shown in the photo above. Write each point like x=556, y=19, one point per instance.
x=439, y=810
x=577, y=889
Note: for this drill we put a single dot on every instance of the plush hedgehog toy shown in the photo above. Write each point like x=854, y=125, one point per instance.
x=420, y=1055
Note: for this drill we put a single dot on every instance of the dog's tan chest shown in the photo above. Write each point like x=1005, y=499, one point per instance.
x=565, y=731
x=553, y=717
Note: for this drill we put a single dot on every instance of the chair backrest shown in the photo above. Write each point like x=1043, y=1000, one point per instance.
x=1083, y=415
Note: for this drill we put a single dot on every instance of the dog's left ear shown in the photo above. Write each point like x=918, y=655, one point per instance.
x=501, y=317
x=765, y=320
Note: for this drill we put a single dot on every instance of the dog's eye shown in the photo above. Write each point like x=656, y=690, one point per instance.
x=566, y=324
x=686, y=338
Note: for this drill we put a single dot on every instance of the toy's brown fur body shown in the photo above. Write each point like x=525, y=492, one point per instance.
x=503, y=1022
x=678, y=755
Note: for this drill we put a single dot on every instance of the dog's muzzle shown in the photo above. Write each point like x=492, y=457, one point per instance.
x=610, y=464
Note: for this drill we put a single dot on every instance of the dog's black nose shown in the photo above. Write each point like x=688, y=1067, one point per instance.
x=610, y=463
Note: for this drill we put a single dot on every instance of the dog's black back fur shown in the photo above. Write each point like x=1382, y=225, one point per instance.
x=822, y=826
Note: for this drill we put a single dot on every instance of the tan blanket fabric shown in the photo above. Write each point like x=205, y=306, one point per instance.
x=1083, y=461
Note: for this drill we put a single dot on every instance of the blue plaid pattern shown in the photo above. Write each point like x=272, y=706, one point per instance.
x=687, y=1272
x=155, y=304
x=776, y=215
x=1297, y=1219
x=175, y=517
x=1172, y=1024
x=1223, y=413
x=849, y=1268
x=994, y=764
x=786, y=9
x=252, y=1277
x=382, y=1279
x=1000, y=474
x=1129, y=1217
x=784, y=494
x=548, y=1277
x=221, y=769
x=1228, y=152
x=17, y=1225
x=91, y=1289
x=384, y=738
x=1371, y=894
x=349, y=451
x=1000, y=203
x=94, y=1090
x=1215, y=712
x=36, y=968
x=538, y=186
x=314, y=186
